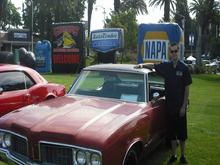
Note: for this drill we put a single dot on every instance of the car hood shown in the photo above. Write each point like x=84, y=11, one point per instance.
x=71, y=119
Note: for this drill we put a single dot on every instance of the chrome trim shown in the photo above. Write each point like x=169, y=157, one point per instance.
x=106, y=98
x=146, y=88
x=139, y=71
x=7, y=152
x=149, y=142
x=14, y=134
x=11, y=157
x=15, y=160
x=74, y=148
x=74, y=84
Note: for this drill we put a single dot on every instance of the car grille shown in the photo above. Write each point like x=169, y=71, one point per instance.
x=19, y=146
x=54, y=154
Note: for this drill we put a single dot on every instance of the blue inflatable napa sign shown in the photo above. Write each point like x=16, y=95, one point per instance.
x=106, y=40
x=43, y=56
x=154, y=39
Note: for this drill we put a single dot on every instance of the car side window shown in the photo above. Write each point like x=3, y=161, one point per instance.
x=156, y=84
x=12, y=81
x=29, y=82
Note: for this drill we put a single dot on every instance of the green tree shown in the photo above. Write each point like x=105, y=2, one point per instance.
x=167, y=4
x=10, y=17
x=117, y=5
x=46, y=13
x=3, y=4
x=139, y=6
x=215, y=47
x=127, y=21
x=89, y=9
x=182, y=17
x=205, y=11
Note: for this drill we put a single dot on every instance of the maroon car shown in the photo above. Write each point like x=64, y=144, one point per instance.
x=110, y=116
x=21, y=86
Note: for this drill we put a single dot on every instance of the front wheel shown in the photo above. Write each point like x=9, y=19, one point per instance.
x=132, y=157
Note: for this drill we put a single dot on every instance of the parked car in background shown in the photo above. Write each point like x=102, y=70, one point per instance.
x=213, y=67
x=21, y=86
x=191, y=65
x=110, y=116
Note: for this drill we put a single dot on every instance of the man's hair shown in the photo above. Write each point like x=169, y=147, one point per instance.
x=171, y=44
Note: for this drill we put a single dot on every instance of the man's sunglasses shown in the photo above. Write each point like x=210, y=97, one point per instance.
x=174, y=51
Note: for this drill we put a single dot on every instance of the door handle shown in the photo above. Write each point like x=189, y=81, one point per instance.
x=27, y=96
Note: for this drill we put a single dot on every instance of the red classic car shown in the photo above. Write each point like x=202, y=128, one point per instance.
x=110, y=116
x=21, y=86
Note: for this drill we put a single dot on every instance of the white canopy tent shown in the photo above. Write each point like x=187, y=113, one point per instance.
x=191, y=58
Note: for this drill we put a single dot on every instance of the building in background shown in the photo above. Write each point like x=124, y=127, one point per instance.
x=14, y=39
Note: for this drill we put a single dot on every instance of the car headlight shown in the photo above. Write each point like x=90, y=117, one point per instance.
x=81, y=157
x=95, y=159
x=7, y=140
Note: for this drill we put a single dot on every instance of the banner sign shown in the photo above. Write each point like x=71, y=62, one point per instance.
x=106, y=40
x=19, y=35
x=155, y=50
x=68, y=46
x=154, y=40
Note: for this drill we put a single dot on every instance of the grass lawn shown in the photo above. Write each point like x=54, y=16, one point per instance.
x=203, y=145
x=65, y=79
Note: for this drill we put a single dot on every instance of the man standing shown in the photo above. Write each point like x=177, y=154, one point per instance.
x=177, y=81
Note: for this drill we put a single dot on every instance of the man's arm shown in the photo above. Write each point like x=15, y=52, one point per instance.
x=185, y=101
x=145, y=65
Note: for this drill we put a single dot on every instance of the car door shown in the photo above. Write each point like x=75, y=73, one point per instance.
x=14, y=94
x=156, y=87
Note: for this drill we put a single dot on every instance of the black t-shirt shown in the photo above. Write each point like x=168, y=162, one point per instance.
x=176, y=79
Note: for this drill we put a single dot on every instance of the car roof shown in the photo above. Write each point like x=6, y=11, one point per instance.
x=12, y=67
x=118, y=68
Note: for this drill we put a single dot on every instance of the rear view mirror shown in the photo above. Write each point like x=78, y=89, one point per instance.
x=1, y=90
x=156, y=95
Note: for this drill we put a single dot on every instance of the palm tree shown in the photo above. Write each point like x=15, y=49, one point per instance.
x=182, y=17
x=9, y=15
x=117, y=4
x=166, y=4
x=205, y=11
x=90, y=8
x=139, y=6
x=2, y=7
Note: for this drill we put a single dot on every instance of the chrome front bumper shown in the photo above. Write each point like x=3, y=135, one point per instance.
x=5, y=155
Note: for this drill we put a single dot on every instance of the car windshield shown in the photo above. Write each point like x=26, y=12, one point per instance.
x=109, y=84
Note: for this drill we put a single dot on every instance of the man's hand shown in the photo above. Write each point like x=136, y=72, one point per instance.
x=182, y=111
x=185, y=102
x=139, y=66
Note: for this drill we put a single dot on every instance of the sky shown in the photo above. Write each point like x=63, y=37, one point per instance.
x=155, y=14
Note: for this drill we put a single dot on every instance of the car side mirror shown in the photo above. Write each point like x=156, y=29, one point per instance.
x=156, y=96
x=1, y=90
